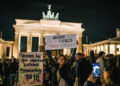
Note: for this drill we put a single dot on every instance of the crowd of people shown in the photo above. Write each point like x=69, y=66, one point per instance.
x=73, y=70
x=77, y=70
x=8, y=71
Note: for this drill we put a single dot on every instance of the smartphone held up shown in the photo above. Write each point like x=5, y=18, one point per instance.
x=96, y=70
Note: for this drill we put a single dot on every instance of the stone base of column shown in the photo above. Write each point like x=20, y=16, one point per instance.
x=42, y=49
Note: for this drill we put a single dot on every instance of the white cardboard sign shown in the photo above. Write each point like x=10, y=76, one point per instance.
x=31, y=68
x=60, y=41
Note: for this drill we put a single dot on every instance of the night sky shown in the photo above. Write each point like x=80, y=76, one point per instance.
x=100, y=18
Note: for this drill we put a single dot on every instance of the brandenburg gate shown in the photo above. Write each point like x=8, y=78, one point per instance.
x=49, y=25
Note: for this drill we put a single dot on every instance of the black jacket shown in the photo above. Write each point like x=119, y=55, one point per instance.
x=65, y=71
x=82, y=69
x=13, y=67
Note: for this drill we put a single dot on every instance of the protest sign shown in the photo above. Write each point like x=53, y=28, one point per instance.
x=31, y=68
x=60, y=41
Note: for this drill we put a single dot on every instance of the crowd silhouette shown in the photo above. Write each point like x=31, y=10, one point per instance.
x=73, y=70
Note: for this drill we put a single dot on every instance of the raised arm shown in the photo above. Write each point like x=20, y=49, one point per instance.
x=72, y=58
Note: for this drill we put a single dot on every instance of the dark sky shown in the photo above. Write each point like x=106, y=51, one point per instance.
x=100, y=18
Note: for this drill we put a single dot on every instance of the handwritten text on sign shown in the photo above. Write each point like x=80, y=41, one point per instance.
x=60, y=41
x=31, y=68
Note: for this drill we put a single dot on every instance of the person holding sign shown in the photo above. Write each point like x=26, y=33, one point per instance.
x=62, y=75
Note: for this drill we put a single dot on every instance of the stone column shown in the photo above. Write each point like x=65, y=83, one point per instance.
x=100, y=47
x=115, y=49
x=10, y=52
x=84, y=51
x=87, y=52
x=65, y=51
x=79, y=40
x=29, y=42
x=41, y=41
x=104, y=48
x=108, y=48
x=4, y=51
x=12, y=49
x=0, y=51
x=16, y=48
x=68, y=51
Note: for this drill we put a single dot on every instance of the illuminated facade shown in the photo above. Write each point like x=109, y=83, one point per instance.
x=6, y=48
x=28, y=30
x=110, y=46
